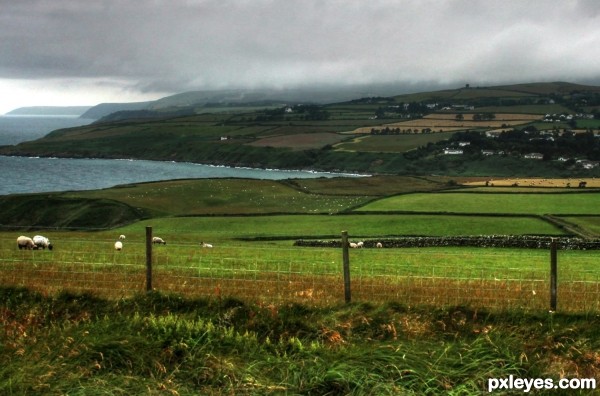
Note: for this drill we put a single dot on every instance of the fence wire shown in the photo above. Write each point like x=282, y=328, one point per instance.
x=490, y=278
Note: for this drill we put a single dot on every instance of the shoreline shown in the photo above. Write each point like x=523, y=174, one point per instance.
x=80, y=174
x=223, y=166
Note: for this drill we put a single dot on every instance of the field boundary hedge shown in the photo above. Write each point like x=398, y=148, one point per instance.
x=497, y=241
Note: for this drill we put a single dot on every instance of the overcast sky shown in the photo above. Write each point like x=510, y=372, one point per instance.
x=76, y=52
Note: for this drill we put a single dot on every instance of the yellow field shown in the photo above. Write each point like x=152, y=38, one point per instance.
x=448, y=122
x=535, y=182
x=499, y=117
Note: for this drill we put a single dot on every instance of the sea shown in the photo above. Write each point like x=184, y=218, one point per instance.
x=36, y=175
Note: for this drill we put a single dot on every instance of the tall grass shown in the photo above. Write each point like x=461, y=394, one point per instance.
x=480, y=277
x=164, y=344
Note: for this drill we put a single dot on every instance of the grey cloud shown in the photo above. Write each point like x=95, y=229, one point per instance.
x=179, y=45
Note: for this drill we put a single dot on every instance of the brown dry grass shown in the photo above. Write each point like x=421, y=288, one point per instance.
x=448, y=122
x=308, y=289
x=535, y=182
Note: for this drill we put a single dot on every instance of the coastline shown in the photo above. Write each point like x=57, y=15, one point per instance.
x=76, y=174
x=312, y=171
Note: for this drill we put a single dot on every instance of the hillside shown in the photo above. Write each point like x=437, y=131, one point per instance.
x=504, y=127
x=229, y=98
x=104, y=109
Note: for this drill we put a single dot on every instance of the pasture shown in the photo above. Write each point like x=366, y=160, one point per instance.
x=489, y=203
x=291, y=227
x=223, y=196
x=253, y=225
x=275, y=271
x=391, y=143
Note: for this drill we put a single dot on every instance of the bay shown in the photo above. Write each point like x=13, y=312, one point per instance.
x=35, y=175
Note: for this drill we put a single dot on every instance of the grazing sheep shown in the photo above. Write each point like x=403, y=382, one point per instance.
x=360, y=244
x=158, y=240
x=379, y=245
x=121, y=237
x=206, y=245
x=353, y=245
x=118, y=245
x=24, y=242
x=42, y=242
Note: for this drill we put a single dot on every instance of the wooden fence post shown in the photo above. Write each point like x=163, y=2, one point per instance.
x=553, y=275
x=148, y=258
x=346, y=264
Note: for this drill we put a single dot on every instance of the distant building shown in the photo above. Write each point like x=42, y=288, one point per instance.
x=493, y=134
x=537, y=156
x=463, y=107
x=586, y=164
x=449, y=151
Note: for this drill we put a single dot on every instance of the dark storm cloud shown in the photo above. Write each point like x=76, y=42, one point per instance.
x=179, y=45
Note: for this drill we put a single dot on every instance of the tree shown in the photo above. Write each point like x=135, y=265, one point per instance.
x=459, y=117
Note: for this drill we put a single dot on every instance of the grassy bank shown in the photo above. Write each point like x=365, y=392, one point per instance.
x=160, y=344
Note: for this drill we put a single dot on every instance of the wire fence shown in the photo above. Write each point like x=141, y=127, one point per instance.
x=487, y=278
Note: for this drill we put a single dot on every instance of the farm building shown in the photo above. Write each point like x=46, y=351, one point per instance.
x=449, y=151
x=537, y=156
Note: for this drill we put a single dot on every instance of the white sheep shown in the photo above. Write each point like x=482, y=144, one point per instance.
x=379, y=245
x=24, y=242
x=121, y=237
x=118, y=245
x=42, y=242
x=353, y=245
x=206, y=245
x=360, y=244
x=158, y=240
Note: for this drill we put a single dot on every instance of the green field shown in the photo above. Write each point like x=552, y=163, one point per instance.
x=224, y=196
x=584, y=203
x=591, y=223
x=392, y=143
x=591, y=124
x=365, y=226
x=257, y=315
x=253, y=225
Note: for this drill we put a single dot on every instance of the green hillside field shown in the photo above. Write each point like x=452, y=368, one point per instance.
x=332, y=137
x=531, y=203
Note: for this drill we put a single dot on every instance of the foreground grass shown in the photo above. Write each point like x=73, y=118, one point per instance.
x=267, y=271
x=161, y=344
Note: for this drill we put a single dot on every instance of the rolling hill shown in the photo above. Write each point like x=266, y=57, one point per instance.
x=487, y=131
